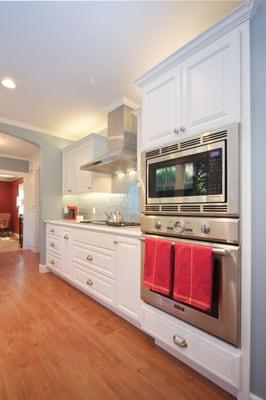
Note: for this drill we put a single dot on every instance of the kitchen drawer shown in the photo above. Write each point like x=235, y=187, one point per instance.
x=96, y=258
x=53, y=261
x=95, y=284
x=54, y=244
x=160, y=327
x=53, y=230
x=210, y=354
x=94, y=238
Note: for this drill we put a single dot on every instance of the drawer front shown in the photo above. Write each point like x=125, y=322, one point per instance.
x=206, y=351
x=161, y=328
x=53, y=230
x=94, y=283
x=53, y=261
x=94, y=238
x=53, y=244
x=97, y=259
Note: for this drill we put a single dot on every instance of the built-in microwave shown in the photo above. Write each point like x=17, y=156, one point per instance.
x=197, y=175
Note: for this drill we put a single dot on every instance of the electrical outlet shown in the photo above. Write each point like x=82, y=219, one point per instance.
x=93, y=210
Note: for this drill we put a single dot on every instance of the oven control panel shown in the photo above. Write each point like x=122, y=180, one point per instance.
x=219, y=229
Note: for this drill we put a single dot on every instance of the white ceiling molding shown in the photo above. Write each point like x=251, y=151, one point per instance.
x=122, y=101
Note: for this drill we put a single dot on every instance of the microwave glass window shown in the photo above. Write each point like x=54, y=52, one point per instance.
x=194, y=175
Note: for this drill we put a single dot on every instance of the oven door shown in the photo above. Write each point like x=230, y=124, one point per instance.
x=223, y=320
x=189, y=176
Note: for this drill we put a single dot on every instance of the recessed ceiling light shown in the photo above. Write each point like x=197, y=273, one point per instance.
x=8, y=83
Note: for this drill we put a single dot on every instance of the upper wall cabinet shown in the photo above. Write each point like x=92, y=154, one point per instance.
x=200, y=93
x=77, y=154
x=161, y=109
x=211, y=85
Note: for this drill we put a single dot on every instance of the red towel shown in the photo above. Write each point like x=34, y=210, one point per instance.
x=158, y=265
x=193, y=277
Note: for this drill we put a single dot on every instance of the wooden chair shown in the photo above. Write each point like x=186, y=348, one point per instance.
x=5, y=219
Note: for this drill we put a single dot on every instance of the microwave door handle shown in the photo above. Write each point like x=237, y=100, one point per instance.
x=217, y=251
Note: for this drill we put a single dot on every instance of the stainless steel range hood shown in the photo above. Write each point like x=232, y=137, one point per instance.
x=122, y=143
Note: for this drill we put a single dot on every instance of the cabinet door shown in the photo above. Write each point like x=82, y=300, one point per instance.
x=83, y=179
x=68, y=177
x=211, y=85
x=128, y=277
x=161, y=110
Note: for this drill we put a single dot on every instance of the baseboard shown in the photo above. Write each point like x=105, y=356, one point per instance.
x=254, y=397
x=15, y=234
x=43, y=269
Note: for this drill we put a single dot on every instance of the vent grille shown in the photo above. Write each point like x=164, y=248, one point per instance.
x=169, y=149
x=214, y=136
x=169, y=208
x=190, y=208
x=189, y=143
x=152, y=208
x=215, y=208
x=152, y=153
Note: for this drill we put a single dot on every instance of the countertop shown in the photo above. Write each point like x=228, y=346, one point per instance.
x=133, y=231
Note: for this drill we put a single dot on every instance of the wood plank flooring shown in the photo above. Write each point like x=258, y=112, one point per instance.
x=58, y=344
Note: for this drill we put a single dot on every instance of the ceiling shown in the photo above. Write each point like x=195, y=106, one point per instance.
x=16, y=148
x=72, y=59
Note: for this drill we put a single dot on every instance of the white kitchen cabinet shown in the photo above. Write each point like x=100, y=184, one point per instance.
x=211, y=85
x=200, y=93
x=161, y=109
x=128, y=277
x=75, y=180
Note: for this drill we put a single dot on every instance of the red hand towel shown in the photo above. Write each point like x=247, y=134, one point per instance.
x=158, y=265
x=193, y=277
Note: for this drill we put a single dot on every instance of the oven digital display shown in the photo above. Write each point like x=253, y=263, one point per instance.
x=194, y=175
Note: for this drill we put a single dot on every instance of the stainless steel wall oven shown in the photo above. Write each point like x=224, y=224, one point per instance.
x=190, y=194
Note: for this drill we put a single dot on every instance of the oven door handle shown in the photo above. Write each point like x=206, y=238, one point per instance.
x=216, y=250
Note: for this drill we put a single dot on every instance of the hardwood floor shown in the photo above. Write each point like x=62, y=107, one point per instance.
x=58, y=344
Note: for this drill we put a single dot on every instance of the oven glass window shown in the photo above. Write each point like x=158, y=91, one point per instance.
x=193, y=175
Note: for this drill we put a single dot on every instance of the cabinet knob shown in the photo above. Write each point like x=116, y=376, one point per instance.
x=52, y=244
x=89, y=258
x=179, y=341
x=115, y=241
x=89, y=282
x=182, y=128
x=89, y=187
x=52, y=230
x=66, y=237
x=52, y=262
x=175, y=130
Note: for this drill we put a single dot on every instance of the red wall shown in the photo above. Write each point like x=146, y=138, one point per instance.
x=8, y=201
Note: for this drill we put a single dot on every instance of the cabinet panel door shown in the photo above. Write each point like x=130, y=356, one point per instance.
x=67, y=253
x=68, y=176
x=128, y=277
x=82, y=179
x=161, y=110
x=211, y=85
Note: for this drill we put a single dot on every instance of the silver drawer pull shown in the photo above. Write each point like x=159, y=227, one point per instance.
x=52, y=262
x=52, y=244
x=89, y=258
x=66, y=237
x=52, y=230
x=89, y=282
x=179, y=341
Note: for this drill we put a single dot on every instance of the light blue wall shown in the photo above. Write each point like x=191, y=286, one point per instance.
x=50, y=174
x=13, y=164
x=258, y=115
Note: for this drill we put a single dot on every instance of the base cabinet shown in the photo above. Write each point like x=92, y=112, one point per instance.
x=128, y=277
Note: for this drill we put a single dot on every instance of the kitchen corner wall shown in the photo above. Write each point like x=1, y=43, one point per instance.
x=124, y=197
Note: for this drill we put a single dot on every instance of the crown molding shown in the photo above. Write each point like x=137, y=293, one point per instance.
x=30, y=127
x=243, y=13
x=123, y=101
